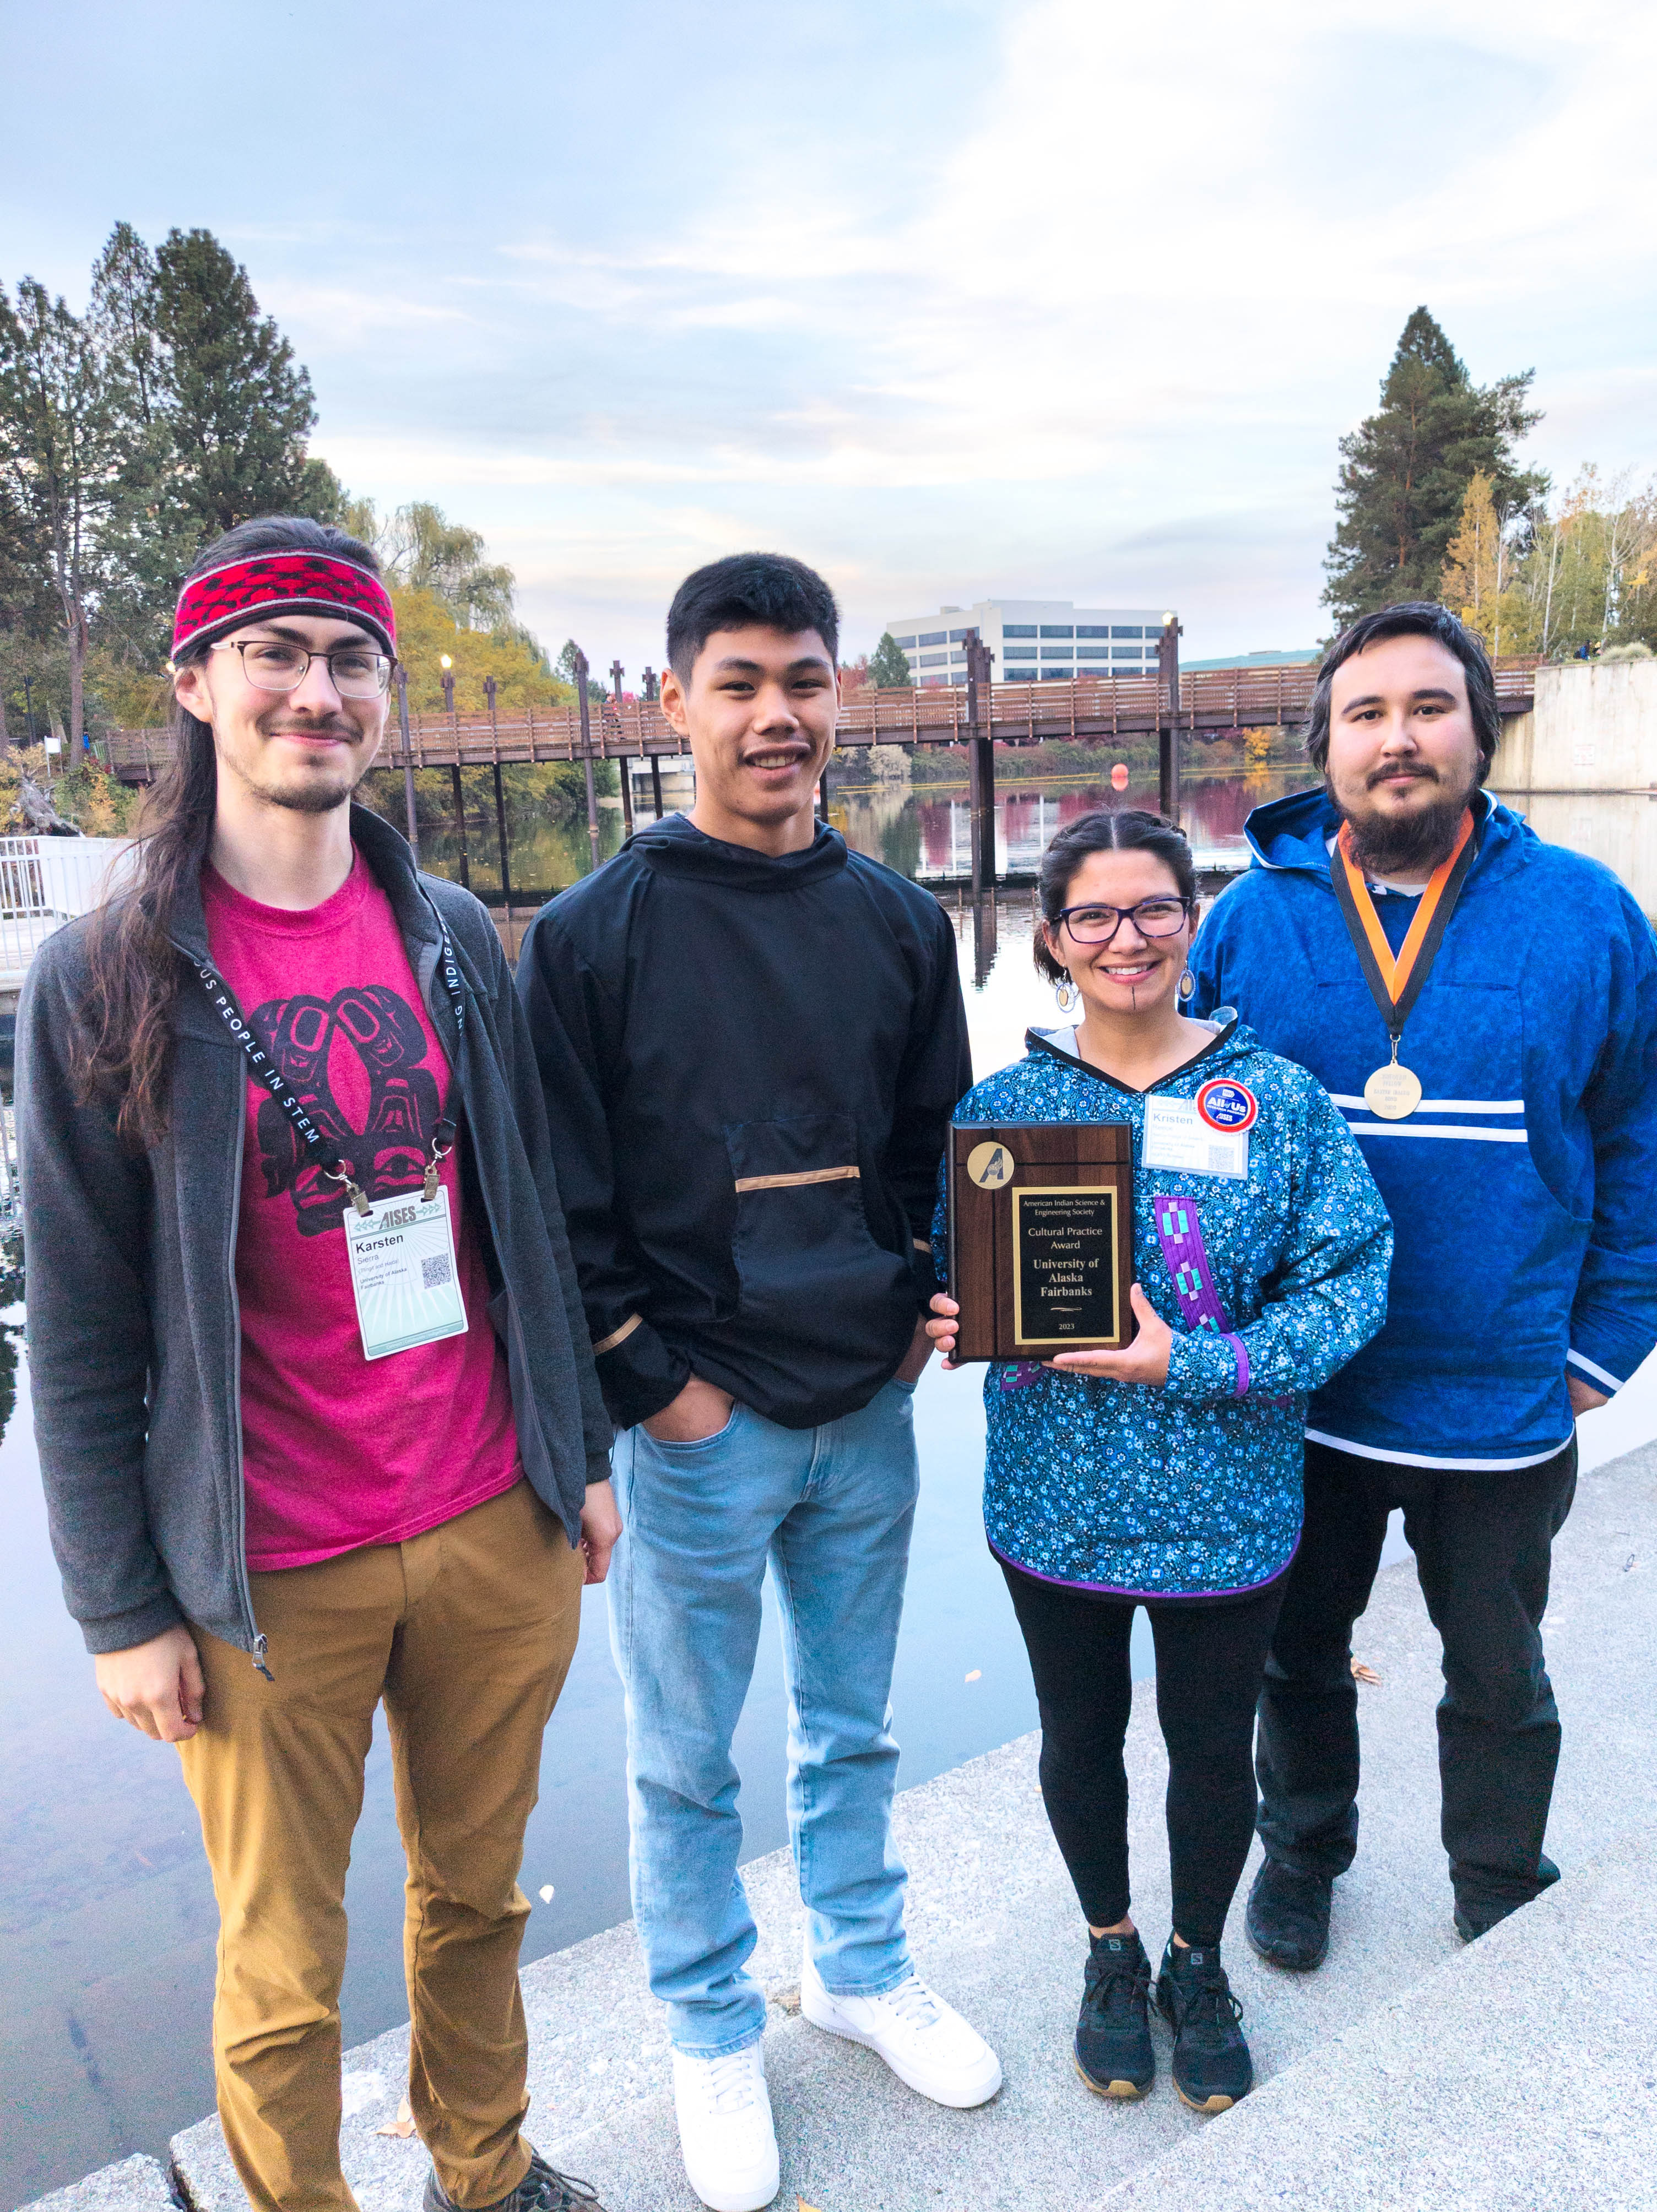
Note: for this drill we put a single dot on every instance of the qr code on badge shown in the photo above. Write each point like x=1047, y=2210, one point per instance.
x=435, y=1271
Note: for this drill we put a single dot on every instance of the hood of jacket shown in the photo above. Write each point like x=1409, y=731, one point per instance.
x=1294, y=833
x=675, y=846
x=1235, y=1041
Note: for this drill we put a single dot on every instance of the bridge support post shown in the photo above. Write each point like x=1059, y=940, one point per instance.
x=823, y=789
x=1168, y=735
x=587, y=755
x=408, y=761
x=655, y=782
x=506, y=871
x=624, y=766
x=981, y=754
x=460, y=825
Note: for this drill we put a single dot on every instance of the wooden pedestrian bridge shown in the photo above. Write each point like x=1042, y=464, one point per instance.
x=1097, y=709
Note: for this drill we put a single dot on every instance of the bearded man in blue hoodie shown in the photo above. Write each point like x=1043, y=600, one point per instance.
x=1483, y=1007
x=756, y=1039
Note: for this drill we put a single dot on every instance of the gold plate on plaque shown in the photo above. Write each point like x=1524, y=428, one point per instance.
x=1392, y=1091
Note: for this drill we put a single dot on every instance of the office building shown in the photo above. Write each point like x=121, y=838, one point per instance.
x=1032, y=640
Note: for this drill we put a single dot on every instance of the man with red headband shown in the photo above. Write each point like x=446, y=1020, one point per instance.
x=316, y=1408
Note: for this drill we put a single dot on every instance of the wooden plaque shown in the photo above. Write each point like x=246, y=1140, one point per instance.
x=1040, y=1237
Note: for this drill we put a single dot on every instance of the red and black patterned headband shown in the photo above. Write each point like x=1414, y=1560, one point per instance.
x=281, y=583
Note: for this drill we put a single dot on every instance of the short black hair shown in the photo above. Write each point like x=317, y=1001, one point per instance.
x=1410, y=618
x=744, y=588
x=1128, y=829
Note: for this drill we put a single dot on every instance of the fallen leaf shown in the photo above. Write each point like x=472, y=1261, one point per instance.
x=804, y=2207
x=403, y=2125
x=787, y=2000
x=977, y=1674
x=1362, y=1673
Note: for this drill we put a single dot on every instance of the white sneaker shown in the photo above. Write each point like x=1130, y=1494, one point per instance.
x=925, y=2042
x=725, y=2132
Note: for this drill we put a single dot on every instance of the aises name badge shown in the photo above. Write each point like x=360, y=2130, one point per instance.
x=1180, y=1138
x=403, y=1271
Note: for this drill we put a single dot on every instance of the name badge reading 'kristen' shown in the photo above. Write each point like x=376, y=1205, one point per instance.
x=403, y=1271
x=1204, y=1135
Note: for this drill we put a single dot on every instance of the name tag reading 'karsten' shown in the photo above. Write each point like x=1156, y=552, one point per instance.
x=403, y=1271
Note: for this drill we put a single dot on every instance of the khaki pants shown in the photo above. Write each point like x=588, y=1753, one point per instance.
x=467, y=1632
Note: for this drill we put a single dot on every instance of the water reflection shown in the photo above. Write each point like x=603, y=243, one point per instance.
x=925, y=832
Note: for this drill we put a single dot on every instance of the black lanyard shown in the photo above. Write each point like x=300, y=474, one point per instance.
x=268, y=1076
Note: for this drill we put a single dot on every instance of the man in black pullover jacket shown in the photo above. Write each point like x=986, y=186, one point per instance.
x=755, y=1039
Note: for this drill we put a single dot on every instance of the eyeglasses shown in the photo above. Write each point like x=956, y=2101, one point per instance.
x=358, y=671
x=1097, y=925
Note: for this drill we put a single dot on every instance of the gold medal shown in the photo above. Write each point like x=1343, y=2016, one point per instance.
x=1393, y=1091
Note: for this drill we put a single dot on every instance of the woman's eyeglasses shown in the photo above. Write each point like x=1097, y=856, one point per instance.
x=1097, y=925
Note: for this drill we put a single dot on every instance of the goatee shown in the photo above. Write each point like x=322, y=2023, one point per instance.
x=1407, y=845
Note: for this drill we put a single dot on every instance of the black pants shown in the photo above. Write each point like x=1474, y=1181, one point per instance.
x=1209, y=1660
x=1481, y=1544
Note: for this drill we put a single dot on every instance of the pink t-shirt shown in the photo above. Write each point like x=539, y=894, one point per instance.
x=338, y=1450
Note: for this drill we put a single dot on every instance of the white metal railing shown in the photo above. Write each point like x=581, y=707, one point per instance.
x=10, y=1193
x=44, y=883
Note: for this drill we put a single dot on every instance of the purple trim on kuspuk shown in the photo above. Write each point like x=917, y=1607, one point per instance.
x=1145, y=1596
x=1179, y=1232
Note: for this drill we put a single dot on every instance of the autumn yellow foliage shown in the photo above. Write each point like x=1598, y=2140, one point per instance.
x=426, y=630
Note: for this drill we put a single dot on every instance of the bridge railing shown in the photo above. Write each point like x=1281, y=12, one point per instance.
x=1087, y=708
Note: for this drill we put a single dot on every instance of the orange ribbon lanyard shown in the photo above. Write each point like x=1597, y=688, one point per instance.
x=1389, y=976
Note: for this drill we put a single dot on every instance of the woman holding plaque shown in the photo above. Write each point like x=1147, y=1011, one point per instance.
x=1166, y=1473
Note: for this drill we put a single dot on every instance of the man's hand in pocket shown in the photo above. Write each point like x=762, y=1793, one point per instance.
x=700, y=1410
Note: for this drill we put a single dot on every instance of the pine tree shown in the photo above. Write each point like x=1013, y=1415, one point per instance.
x=1405, y=471
x=888, y=664
x=237, y=405
x=60, y=450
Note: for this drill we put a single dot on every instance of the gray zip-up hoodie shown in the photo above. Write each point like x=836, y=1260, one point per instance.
x=134, y=1328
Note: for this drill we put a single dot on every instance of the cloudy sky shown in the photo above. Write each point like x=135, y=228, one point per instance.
x=954, y=298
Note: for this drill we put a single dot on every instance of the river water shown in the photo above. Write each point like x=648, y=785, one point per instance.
x=106, y=1917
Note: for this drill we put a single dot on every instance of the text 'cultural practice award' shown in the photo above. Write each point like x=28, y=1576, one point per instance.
x=1040, y=1237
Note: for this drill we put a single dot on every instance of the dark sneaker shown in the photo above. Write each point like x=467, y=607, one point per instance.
x=1211, y=2065
x=1113, y=2052
x=1286, y=1920
x=1476, y=1918
x=541, y=2190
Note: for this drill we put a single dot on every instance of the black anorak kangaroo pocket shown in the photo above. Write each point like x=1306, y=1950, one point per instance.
x=811, y=1277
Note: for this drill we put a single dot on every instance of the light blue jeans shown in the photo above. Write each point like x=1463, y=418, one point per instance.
x=832, y=1510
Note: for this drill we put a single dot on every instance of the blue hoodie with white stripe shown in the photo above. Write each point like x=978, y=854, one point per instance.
x=1523, y=1189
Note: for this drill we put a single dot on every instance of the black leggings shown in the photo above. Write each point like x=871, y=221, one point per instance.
x=1209, y=1661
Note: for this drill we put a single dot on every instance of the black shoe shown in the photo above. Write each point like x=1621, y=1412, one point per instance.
x=1286, y=1920
x=541, y=2190
x=1477, y=1917
x=1211, y=2065
x=1113, y=2051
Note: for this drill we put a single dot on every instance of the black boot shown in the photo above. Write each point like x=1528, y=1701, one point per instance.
x=1287, y=1921
x=543, y=2189
x=1113, y=2052
x=1211, y=2065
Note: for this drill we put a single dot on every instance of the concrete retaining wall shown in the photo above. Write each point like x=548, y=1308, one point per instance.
x=1593, y=728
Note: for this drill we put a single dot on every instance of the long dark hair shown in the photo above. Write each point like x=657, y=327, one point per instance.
x=122, y=1055
x=1131, y=830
